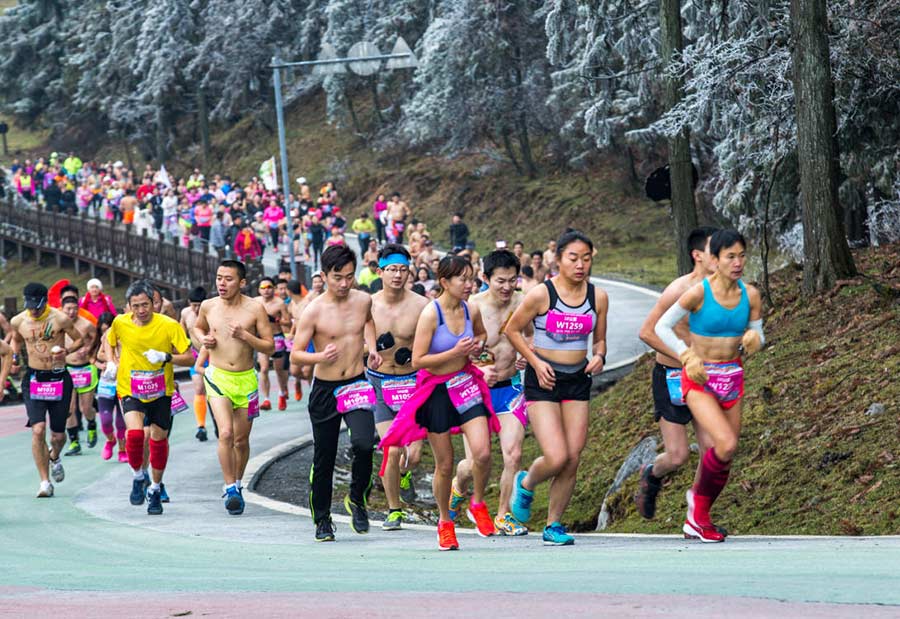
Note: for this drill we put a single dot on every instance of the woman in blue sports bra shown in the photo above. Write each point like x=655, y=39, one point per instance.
x=565, y=311
x=724, y=316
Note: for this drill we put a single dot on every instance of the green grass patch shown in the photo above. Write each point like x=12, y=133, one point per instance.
x=14, y=275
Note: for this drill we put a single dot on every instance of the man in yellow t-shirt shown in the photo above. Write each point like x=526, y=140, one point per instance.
x=144, y=345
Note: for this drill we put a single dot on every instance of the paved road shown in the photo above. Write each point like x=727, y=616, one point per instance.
x=88, y=552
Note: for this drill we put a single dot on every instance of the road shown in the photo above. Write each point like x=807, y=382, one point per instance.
x=88, y=552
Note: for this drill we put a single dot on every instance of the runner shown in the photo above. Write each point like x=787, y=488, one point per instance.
x=84, y=377
x=162, y=305
x=47, y=386
x=450, y=395
x=339, y=322
x=565, y=311
x=669, y=409
x=6, y=362
x=295, y=309
x=278, y=318
x=107, y=402
x=231, y=327
x=501, y=372
x=724, y=316
x=188, y=318
x=395, y=311
x=144, y=345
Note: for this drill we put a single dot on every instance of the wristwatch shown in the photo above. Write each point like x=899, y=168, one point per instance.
x=168, y=357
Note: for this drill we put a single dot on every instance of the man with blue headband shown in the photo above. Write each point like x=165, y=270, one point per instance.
x=395, y=310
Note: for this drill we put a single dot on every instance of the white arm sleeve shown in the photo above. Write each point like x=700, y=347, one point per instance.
x=665, y=328
x=756, y=325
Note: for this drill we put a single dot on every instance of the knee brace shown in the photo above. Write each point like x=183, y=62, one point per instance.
x=134, y=447
x=159, y=454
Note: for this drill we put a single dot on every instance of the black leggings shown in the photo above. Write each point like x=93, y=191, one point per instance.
x=317, y=254
x=361, y=426
x=274, y=232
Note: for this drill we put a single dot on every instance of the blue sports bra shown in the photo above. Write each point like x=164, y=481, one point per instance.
x=444, y=339
x=713, y=320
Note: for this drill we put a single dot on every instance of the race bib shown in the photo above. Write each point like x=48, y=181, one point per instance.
x=279, y=343
x=725, y=380
x=106, y=389
x=178, y=404
x=562, y=327
x=396, y=391
x=49, y=391
x=148, y=384
x=517, y=404
x=464, y=392
x=355, y=396
x=288, y=344
x=81, y=377
x=673, y=383
x=253, y=405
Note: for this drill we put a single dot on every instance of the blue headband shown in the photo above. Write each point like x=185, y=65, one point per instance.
x=393, y=259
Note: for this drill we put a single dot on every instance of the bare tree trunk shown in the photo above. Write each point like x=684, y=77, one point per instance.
x=127, y=150
x=525, y=145
x=376, y=101
x=354, y=119
x=681, y=171
x=507, y=144
x=203, y=124
x=826, y=255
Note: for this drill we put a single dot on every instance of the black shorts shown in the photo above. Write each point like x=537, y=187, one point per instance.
x=438, y=414
x=662, y=403
x=157, y=412
x=39, y=410
x=575, y=386
x=322, y=403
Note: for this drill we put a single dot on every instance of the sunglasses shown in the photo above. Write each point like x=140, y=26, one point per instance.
x=266, y=287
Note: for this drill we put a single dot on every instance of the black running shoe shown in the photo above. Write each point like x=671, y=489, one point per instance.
x=163, y=495
x=325, y=530
x=201, y=434
x=137, y=492
x=154, y=503
x=359, y=517
x=648, y=488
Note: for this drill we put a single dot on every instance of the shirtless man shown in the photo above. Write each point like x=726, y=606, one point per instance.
x=231, y=327
x=279, y=319
x=371, y=253
x=666, y=384
x=528, y=281
x=537, y=266
x=398, y=213
x=501, y=372
x=47, y=386
x=188, y=318
x=395, y=310
x=549, y=258
x=339, y=322
x=84, y=377
x=162, y=305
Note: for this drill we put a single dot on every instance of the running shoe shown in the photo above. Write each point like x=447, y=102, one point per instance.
x=447, y=535
x=282, y=402
x=456, y=499
x=163, y=495
x=325, y=530
x=106, y=454
x=266, y=405
x=74, y=448
x=45, y=491
x=694, y=525
x=481, y=518
x=520, y=506
x=201, y=434
x=123, y=456
x=298, y=391
x=234, y=504
x=146, y=481
x=137, y=491
x=508, y=525
x=57, y=472
x=394, y=521
x=708, y=533
x=359, y=517
x=407, y=489
x=555, y=535
x=648, y=489
x=92, y=438
x=154, y=503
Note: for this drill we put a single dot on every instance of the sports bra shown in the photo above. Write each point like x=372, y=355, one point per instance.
x=713, y=320
x=564, y=327
x=444, y=339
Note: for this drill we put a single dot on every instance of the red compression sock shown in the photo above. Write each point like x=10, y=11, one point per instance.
x=159, y=454
x=134, y=446
x=713, y=477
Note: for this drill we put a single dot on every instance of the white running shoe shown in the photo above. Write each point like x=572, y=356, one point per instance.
x=57, y=471
x=45, y=491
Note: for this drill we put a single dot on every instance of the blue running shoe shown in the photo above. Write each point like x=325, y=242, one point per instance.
x=555, y=535
x=154, y=504
x=520, y=506
x=137, y=492
x=163, y=495
x=233, y=501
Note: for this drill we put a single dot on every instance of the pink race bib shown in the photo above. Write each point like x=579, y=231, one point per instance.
x=464, y=392
x=148, y=384
x=355, y=396
x=253, y=405
x=178, y=404
x=49, y=391
x=562, y=327
x=396, y=391
x=288, y=344
x=726, y=380
x=279, y=343
x=81, y=377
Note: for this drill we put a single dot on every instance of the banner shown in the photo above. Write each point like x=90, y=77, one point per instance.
x=162, y=177
x=267, y=174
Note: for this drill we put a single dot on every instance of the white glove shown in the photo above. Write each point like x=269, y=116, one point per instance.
x=57, y=349
x=155, y=356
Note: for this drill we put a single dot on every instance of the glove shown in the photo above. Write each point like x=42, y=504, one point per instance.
x=751, y=342
x=385, y=341
x=57, y=349
x=155, y=356
x=693, y=365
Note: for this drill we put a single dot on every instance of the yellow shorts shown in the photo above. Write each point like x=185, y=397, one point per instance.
x=236, y=386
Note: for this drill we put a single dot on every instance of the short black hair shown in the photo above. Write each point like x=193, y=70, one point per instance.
x=337, y=257
x=393, y=248
x=69, y=288
x=518, y=243
x=293, y=286
x=237, y=265
x=197, y=295
x=572, y=236
x=418, y=289
x=266, y=278
x=315, y=275
x=723, y=239
x=537, y=253
x=372, y=264
x=106, y=318
x=68, y=300
x=500, y=259
x=284, y=268
x=697, y=240
x=141, y=286
x=527, y=271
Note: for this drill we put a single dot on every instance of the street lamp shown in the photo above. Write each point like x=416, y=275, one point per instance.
x=363, y=59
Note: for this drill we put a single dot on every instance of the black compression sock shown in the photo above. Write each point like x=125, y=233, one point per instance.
x=92, y=424
x=73, y=433
x=396, y=510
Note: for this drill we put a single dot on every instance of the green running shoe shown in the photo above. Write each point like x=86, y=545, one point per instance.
x=74, y=449
x=394, y=521
x=92, y=438
x=407, y=489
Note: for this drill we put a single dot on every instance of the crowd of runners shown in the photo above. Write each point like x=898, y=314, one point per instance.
x=416, y=347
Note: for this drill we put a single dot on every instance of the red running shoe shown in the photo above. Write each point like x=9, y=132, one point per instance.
x=265, y=406
x=447, y=536
x=282, y=402
x=479, y=515
x=692, y=523
x=298, y=391
x=705, y=533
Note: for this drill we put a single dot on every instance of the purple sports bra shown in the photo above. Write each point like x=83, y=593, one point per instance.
x=444, y=339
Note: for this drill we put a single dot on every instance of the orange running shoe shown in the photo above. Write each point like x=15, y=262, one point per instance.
x=265, y=406
x=298, y=391
x=447, y=535
x=478, y=514
x=282, y=402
